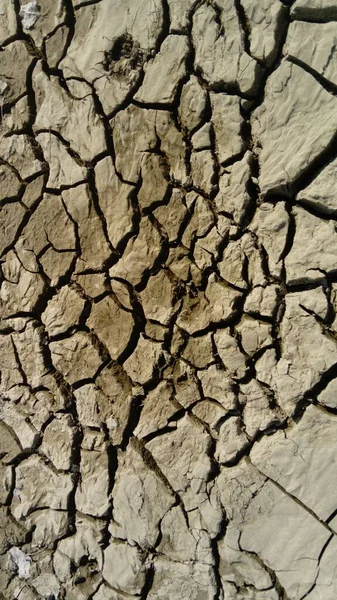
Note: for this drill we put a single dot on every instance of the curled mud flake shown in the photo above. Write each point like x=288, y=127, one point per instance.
x=22, y=562
x=29, y=14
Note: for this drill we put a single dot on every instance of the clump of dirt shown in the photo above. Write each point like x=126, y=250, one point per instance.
x=124, y=56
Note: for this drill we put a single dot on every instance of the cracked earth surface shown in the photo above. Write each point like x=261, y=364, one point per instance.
x=168, y=294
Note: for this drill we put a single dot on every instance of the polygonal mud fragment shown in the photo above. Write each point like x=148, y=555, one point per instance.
x=210, y=412
x=173, y=145
x=58, y=441
x=320, y=193
x=215, y=304
x=124, y=567
x=78, y=558
x=41, y=20
x=48, y=526
x=328, y=396
x=314, y=10
x=301, y=137
x=115, y=201
x=51, y=224
x=154, y=181
x=95, y=249
x=318, y=256
x=266, y=21
x=93, y=284
x=106, y=404
x=233, y=197
x=10, y=184
x=271, y=225
x=203, y=171
x=179, y=13
x=8, y=23
x=233, y=264
x=230, y=353
x=207, y=249
x=21, y=289
x=307, y=353
x=158, y=298
x=11, y=217
x=179, y=579
x=180, y=541
x=294, y=568
x=320, y=53
x=232, y=442
x=213, y=50
x=192, y=103
x=55, y=45
x=254, y=334
x=311, y=469
x=114, y=52
x=87, y=142
x=227, y=122
x=185, y=381
x=164, y=73
x=38, y=486
x=201, y=139
x=173, y=215
x=182, y=456
x=63, y=311
x=217, y=385
x=75, y=357
x=91, y=496
x=257, y=414
x=158, y=407
x=141, y=499
x=22, y=154
x=198, y=352
x=201, y=218
x=262, y=301
x=15, y=61
x=144, y=360
x=134, y=133
x=64, y=170
x=113, y=325
x=140, y=254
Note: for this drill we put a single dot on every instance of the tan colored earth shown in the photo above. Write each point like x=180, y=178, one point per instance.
x=168, y=300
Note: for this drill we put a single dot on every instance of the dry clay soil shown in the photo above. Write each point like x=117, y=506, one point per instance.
x=168, y=330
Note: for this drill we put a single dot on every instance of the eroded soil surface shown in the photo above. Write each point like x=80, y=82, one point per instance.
x=168, y=347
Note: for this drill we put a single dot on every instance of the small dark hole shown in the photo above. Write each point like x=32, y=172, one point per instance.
x=116, y=51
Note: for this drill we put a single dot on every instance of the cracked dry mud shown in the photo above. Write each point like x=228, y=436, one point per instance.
x=168, y=299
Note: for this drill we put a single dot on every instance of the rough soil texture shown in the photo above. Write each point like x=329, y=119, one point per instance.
x=168, y=345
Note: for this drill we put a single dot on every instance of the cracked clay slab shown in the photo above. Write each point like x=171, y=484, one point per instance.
x=168, y=300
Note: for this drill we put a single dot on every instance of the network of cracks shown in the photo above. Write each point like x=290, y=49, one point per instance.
x=168, y=296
